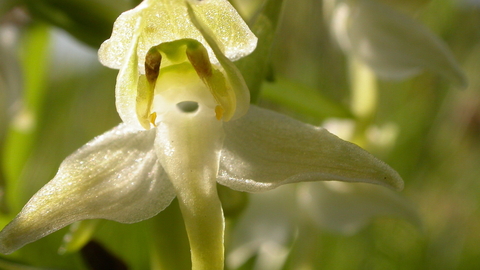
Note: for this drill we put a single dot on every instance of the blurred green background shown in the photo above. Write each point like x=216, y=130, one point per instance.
x=55, y=97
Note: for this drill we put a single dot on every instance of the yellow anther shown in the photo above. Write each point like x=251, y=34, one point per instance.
x=152, y=118
x=219, y=112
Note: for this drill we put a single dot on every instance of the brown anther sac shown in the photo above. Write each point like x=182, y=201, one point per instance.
x=152, y=65
x=200, y=61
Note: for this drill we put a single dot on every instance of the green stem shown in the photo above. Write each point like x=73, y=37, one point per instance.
x=203, y=216
x=363, y=98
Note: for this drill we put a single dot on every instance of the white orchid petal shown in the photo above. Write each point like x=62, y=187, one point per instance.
x=394, y=45
x=116, y=176
x=235, y=78
x=168, y=20
x=128, y=83
x=127, y=28
x=230, y=31
x=264, y=149
x=188, y=146
x=347, y=207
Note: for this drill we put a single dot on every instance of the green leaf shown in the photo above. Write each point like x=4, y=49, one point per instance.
x=5, y=264
x=128, y=242
x=80, y=233
x=302, y=99
x=169, y=246
x=22, y=131
x=158, y=243
x=233, y=202
x=89, y=20
x=43, y=254
x=255, y=67
x=5, y=6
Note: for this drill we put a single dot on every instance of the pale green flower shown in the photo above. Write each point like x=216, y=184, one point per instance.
x=187, y=124
x=391, y=43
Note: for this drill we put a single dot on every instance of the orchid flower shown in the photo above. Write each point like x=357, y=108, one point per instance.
x=187, y=124
x=391, y=43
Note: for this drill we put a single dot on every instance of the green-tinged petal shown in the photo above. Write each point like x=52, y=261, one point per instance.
x=347, y=207
x=115, y=176
x=144, y=100
x=264, y=149
x=188, y=146
x=230, y=31
x=168, y=20
x=116, y=51
x=235, y=79
x=394, y=45
x=127, y=85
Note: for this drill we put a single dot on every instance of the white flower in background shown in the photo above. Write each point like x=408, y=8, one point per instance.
x=265, y=230
x=187, y=124
x=269, y=227
x=348, y=207
x=391, y=43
